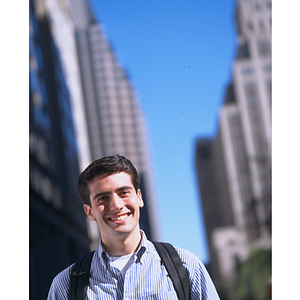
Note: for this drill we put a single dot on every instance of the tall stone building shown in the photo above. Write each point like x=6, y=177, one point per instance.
x=115, y=123
x=238, y=193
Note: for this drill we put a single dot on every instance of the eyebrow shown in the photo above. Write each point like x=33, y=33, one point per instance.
x=122, y=188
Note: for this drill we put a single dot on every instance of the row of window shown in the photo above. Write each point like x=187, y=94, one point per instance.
x=44, y=186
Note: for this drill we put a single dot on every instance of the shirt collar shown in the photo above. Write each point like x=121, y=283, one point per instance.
x=144, y=246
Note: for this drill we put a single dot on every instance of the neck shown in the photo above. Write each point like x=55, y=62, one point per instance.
x=123, y=245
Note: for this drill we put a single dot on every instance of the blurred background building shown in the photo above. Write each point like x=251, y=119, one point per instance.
x=115, y=122
x=82, y=107
x=234, y=167
x=58, y=229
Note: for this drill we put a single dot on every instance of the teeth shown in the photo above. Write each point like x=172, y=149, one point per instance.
x=119, y=218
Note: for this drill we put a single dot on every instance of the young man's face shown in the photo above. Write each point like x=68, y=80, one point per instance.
x=115, y=205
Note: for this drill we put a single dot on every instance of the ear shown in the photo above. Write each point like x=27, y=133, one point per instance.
x=139, y=194
x=89, y=212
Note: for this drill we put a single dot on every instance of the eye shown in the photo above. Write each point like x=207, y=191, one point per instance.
x=102, y=198
x=124, y=193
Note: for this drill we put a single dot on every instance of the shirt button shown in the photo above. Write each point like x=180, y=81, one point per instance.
x=119, y=273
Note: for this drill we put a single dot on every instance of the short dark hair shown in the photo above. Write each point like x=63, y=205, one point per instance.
x=105, y=166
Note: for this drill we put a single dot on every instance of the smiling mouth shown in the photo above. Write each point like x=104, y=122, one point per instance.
x=119, y=218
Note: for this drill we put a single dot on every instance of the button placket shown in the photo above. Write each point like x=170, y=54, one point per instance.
x=129, y=282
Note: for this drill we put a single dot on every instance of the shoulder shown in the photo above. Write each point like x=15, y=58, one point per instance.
x=60, y=285
x=189, y=259
x=200, y=280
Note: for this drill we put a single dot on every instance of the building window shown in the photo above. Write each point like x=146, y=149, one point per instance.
x=247, y=71
x=257, y=7
x=243, y=51
x=261, y=25
x=264, y=48
x=250, y=26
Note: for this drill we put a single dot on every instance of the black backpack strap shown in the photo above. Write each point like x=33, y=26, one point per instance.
x=175, y=268
x=79, y=277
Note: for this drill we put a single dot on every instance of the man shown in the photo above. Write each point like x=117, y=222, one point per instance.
x=126, y=264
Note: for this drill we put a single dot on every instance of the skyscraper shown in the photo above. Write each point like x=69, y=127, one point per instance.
x=70, y=126
x=58, y=230
x=115, y=123
x=241, y=151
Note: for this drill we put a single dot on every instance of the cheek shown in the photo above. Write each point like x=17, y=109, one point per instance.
x=98, y=211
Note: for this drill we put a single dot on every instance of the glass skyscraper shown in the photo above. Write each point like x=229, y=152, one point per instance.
x=58, y=230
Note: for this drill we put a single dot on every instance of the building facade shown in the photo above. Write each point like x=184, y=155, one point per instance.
x=58, y=229
x=115, y=122
x=82, y=107
x=241, y=151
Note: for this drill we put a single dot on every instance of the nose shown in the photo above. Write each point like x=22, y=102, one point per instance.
x=116, y=203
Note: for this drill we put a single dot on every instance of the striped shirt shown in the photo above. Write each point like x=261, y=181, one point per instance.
x=145, y=279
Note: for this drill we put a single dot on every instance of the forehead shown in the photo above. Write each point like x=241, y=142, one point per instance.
x=114, y=180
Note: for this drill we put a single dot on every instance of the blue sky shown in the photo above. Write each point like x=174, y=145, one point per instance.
x=179, y=56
